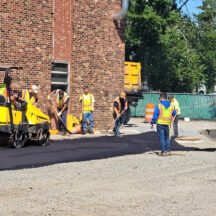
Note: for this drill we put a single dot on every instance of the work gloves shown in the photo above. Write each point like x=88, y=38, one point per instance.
x=59, y=114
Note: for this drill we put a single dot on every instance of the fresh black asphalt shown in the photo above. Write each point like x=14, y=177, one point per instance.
x=83, y=149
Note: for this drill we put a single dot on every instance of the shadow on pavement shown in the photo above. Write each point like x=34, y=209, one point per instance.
x=83, y=149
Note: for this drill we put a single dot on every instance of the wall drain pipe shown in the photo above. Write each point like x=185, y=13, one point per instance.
x=122, y=13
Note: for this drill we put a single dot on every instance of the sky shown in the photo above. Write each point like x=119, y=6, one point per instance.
x=191, y=7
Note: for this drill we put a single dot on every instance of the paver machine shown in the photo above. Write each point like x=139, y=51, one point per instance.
x=20, y=121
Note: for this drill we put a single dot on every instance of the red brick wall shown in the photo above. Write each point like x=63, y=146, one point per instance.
x=26, y=41
x=62, y=34
x=87, y=38
x=97, y=56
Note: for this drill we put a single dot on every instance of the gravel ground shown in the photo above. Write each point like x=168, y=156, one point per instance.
x=145, y=184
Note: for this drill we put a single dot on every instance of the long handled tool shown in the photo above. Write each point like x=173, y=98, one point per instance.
x=113, y=123
x=58, y=117
x=171, y=127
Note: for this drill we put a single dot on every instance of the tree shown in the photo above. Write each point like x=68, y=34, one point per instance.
x=162, y=39
x=207, y=41
x=185, y=67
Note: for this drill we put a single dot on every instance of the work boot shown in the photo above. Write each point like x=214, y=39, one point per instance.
x=162, y=153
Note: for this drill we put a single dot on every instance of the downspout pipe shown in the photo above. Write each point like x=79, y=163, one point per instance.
x=119, y=15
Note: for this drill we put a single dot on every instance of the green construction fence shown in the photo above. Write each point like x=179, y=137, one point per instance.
x=194, y=106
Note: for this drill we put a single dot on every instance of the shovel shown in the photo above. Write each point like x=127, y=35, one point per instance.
x=113, y=123
x=58, y=117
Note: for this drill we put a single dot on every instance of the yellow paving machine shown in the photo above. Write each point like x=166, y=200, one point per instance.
x=20, y=121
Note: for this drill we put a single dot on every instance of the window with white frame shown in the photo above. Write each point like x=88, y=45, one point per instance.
x=59, y=76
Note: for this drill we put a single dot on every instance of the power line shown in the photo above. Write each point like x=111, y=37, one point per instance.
x=189, y=15
x=183, y=4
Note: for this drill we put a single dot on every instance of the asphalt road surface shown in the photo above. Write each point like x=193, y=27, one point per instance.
x=138, y=138
x=70, y=150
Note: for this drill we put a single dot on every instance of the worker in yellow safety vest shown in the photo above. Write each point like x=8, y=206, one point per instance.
x=62, y=103
x=120, y=105
x=87, y=99
x=3, y=89
x=175, y=103
x=7, y=93
x=31, y=95
x=163, y=115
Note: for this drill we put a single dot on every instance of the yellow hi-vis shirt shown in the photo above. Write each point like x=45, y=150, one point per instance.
x=165, y=116
x=176, y=106
x=118, y=102
x=63, y=101
x=87, y=102
x=3, y=89
x=27, y=98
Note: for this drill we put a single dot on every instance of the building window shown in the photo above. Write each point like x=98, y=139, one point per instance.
x=59, y=76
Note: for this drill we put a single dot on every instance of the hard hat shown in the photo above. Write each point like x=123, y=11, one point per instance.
x=123, y=94
x=34, y=89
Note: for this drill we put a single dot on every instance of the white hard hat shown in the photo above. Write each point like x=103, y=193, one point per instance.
x=34, y=89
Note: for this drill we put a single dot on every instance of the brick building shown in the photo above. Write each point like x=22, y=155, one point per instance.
x=65, y=44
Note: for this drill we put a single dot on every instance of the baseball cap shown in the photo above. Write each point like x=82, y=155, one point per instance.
x=34, y=89
x=123, y=94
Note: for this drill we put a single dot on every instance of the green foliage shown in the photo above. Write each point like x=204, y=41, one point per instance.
x=171, y=48
x=207, y=41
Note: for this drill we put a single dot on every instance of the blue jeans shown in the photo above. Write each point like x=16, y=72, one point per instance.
x=64, y=119
x=163, y=133
x=87, y=116
x=116, y=128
